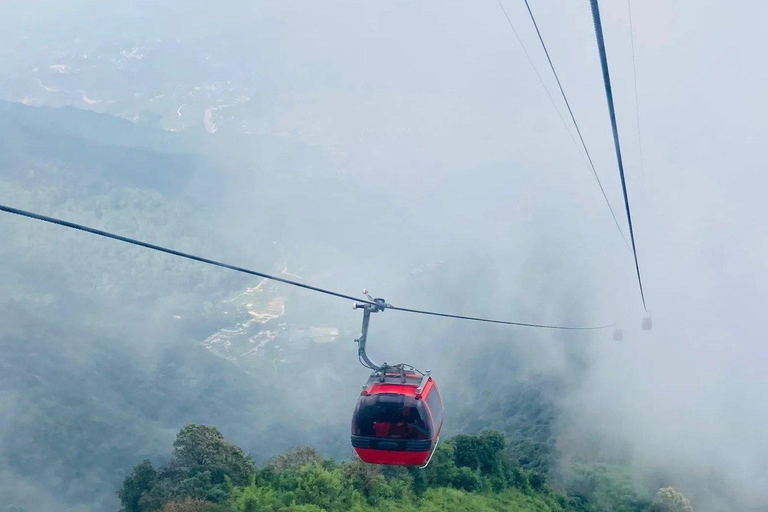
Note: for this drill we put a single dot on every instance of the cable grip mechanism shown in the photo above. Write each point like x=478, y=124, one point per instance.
x=374, y=306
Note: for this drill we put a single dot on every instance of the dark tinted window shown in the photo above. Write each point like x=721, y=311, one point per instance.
x=392, y=416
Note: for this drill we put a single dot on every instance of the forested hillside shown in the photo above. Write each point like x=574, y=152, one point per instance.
x=468, y=473
x=102, y=352
x=103, y=346
x=108, y=350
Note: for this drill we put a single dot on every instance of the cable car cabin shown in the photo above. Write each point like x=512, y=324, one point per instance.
x=398, y=418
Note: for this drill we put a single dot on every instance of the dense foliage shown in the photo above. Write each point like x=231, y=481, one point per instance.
x=467, y=473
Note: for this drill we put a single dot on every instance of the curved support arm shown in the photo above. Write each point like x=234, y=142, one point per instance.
x=379, y=305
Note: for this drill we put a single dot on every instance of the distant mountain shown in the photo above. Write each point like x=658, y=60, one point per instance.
x=198, y=83
x=102, y=351
x=107, y=350
x=106, y=148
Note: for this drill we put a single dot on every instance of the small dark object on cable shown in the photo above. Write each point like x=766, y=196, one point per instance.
x=647, y=323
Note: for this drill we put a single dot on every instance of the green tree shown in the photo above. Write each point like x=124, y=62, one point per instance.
x=479, y=452
x=192, y=505
x=443, y=471
x=136, y=485
x=202, y=447
x=255, y=498
x=537, y=481
x=325, y=488
x=367, y=479
x=295, y=457
x=203, y=468
x=605, y=487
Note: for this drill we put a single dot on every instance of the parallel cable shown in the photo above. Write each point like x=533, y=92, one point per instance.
x=173, y=252
x=535, y=70
x=504, y=322
x=575, y=123
x=617, y=145
x=637, y=98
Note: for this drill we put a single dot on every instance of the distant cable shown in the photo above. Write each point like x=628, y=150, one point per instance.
x=576, y=124
x=637, y=99
x=617, y=145
x=535, y=70
x=560, y=115
x=445, y=315
x=173, y=252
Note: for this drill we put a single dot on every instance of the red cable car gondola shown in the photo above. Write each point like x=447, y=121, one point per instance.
x=399, y=413
x=398, y=418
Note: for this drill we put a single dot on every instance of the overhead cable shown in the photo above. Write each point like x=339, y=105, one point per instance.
x=504, y=322
x=575, y=123
x=637, y=96
x=616, y=143
x=173, y=252
x=535, y=70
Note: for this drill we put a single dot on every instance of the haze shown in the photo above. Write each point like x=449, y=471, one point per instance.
x=405, y=147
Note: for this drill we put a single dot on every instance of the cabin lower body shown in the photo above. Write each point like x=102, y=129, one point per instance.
x=394, y=452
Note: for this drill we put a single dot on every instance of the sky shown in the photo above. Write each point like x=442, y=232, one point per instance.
x=435, y=104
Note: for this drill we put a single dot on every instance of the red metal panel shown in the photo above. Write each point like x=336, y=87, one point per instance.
x=430, y=383
x=399, y=389
x=392, y=458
